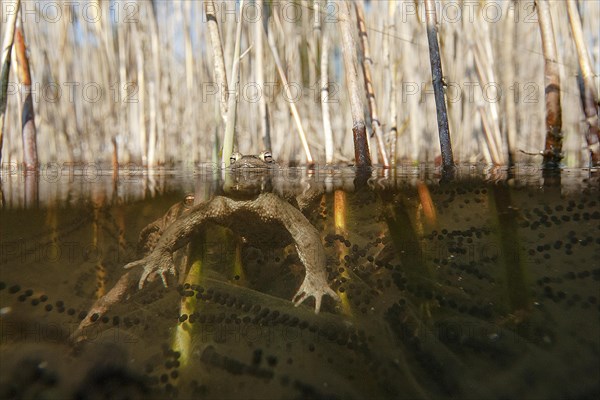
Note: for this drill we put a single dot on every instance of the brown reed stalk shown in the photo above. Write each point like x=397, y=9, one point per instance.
x=553, y=146
x=28, y=130
x=367, y=61
x=362, y=155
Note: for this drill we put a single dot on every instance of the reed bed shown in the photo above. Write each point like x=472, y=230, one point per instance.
x=142, y=75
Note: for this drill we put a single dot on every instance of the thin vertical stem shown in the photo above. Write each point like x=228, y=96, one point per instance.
x=286, y=86
x=366, y=67
x=28, y=130
x=589, y=97
x=218, y=59
x=260, y=77
x=232, y=101
x=438, y=86
x=390, y=68
x=553, y=146
x=362, y=155
x=141, y=104
x=11, y=9
x=509, y=82
x=327, y=131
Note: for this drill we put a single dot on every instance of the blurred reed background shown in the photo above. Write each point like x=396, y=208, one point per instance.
x=142, y=74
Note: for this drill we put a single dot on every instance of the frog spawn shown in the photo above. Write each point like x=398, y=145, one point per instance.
x=467, y=316
x=462, y=322
x=290, y=340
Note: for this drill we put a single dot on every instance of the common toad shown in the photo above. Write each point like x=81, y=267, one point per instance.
x=261, y=218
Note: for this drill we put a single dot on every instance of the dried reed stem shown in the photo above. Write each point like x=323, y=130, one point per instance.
x=286, y=86
x=232, y=101
x=259, y=76
x=367, y=61
x=7, y=44
x=491, y=128
x=553, y=146
x=589, y=94
x=327, y=131
x=141, y=104
x=509, y=81
x=28, y=131
x=218, y=59
x=362, y=155
x=390, y=68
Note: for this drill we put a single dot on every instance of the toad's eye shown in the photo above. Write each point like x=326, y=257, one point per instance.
x=234, y=157
x=188, y=201
x=266, y=156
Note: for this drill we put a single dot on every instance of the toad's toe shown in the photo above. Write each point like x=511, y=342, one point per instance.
x=316, y=289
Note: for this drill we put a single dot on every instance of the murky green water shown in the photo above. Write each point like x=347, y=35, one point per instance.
x=480, y=288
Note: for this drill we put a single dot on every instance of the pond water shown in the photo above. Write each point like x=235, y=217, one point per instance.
x=486, y=286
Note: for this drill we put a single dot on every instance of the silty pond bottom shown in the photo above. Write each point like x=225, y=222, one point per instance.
x=483, y=287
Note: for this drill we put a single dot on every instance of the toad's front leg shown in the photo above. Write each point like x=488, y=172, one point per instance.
x=159, y=262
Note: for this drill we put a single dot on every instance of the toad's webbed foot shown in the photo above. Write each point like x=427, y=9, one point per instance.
x=314, y=286
x=154, y=265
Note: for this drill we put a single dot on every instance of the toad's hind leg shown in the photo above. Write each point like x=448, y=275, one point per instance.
x=316, y=288
x=309, y=248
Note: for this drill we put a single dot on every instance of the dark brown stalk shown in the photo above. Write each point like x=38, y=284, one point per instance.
x=362, y=155
x=553, y=146
x=7, y=44
x=28, y=131
x=366, y=67
x=438, y=86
